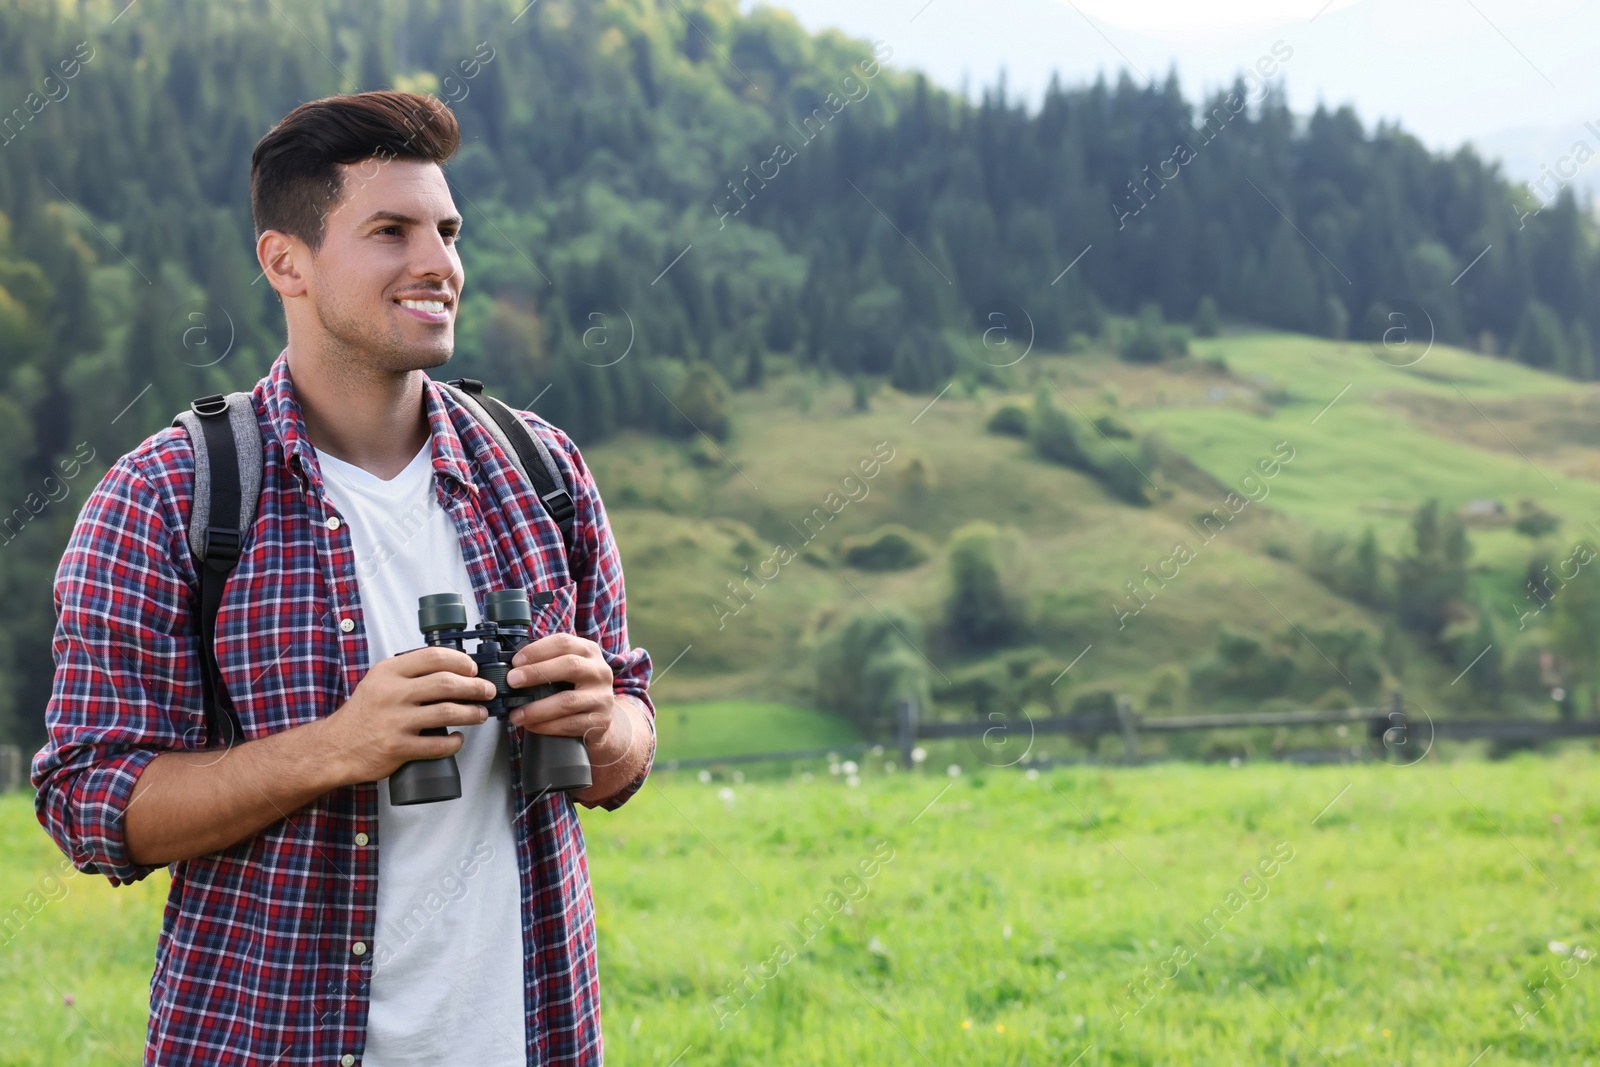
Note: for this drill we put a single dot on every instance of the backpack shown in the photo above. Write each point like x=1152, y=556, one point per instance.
x=228, y=461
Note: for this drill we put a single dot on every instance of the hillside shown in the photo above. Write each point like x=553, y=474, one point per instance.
x=723, y=197
x=1369, y=443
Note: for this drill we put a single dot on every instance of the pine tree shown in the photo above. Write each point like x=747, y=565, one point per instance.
x=1540, y=341
x=1055, y=434
x=1335, y=322
x=1431, y=581
x=703, y=403
x=1366, y=578
x=980, y=611
x=1580, y=352
x=1289, y=296
x=755, y=366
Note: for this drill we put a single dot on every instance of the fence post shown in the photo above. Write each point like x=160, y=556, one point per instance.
x=1397, y=721
x=10, y=768
x=1379, y=726
x=1130, y=730
x=906, y=714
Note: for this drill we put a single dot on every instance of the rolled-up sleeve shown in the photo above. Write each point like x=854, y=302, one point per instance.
x=601, y=610
x=126, y=672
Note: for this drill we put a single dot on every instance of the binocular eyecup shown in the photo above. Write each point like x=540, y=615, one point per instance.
x=448, y=611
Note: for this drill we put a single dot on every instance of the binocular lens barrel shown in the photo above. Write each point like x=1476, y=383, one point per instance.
x=442, y=611
x=508, y=606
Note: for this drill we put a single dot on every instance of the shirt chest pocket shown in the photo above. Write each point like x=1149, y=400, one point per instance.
x=554, y=609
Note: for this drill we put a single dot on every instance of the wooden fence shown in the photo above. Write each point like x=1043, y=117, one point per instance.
x=1392, y=724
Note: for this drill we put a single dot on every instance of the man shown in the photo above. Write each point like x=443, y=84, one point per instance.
x=310, y=921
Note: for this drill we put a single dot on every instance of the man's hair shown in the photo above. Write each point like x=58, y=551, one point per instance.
x=295, y=181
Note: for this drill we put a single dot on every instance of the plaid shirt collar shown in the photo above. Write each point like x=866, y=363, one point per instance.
x=288, y=422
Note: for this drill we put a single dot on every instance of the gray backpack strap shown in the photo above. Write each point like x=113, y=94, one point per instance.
x=228, y=459
x=525, y=450
x=239, y=434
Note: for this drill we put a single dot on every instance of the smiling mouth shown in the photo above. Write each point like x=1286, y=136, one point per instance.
x=427, y=310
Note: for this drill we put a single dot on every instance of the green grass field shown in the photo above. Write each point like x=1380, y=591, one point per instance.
x=732, y=727
x=1007, y=915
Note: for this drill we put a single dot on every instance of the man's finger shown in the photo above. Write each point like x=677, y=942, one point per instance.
x=577, y=668
x=566, y=703
x=429, y=660
x=550, y=646
x=571, y=725
x=445, y=686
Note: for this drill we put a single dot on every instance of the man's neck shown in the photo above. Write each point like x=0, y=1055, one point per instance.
x=375, y=420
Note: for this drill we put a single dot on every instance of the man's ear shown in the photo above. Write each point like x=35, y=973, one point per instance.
x=283, y=259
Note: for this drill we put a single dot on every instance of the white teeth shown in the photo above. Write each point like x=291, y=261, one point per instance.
x=434, y=306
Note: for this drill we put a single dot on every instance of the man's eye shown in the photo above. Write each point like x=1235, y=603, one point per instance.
x=450, y=235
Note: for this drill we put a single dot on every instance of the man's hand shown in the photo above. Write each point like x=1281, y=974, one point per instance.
x=380, y=726
x=614, y=728
x=186, y=804
x=586, y=710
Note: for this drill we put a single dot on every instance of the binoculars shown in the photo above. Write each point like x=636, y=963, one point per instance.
x=549, y=763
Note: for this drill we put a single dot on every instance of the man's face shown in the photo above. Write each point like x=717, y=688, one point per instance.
x=390, y=242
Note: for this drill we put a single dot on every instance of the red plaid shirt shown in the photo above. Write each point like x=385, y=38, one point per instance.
x=254, y=964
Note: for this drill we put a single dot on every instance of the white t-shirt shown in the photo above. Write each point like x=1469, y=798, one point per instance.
x=447, y=977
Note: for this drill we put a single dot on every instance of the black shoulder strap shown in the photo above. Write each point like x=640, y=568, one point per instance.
x=225, y=472
x=530, y=454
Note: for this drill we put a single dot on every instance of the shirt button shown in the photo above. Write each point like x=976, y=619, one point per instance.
x=347, y=625
x=333, y=522
x=347, y=1060
x=361, y=839
x=359, y=948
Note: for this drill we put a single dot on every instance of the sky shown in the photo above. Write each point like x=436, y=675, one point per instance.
x=1517, y=78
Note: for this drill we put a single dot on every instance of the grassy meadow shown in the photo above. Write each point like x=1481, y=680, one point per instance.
x=1412, y=914
x=731, y=727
